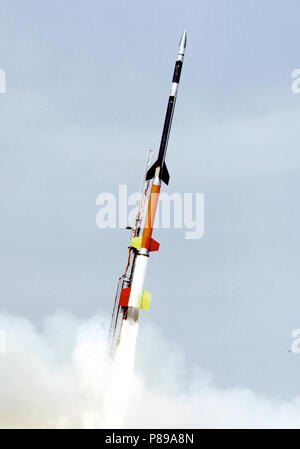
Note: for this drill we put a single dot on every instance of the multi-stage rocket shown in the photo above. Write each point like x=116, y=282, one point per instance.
x=130, y=295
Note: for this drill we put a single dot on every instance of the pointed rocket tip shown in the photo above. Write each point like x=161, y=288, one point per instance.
x=182, y=43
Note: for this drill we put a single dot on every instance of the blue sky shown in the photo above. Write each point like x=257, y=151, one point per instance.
x=87, y=86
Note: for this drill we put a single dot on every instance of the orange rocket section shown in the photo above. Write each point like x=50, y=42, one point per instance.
x=150, y=217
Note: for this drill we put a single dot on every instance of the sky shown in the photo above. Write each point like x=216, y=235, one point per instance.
x=86, y=90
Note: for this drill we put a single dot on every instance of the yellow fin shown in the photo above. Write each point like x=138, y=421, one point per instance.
x=146, y=299
x=136, y=242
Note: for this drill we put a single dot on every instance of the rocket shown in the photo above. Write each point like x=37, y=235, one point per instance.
x=159, y=168
x=131, y=295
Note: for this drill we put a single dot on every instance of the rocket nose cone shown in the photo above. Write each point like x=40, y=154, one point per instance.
x=182, y=43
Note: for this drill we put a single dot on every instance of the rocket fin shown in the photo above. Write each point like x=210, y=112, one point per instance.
x=146, y=299
x=164, y=173
x=154, y=245
x=136, y=242
x=151, y=171
x=124, y=297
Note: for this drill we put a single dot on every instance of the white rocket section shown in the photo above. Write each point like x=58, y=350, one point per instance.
x=174, y=89
x=138, y=280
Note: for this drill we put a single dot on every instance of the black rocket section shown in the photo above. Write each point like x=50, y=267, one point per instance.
x=160, y=164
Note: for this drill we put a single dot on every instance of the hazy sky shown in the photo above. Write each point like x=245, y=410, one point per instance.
x=87, y=86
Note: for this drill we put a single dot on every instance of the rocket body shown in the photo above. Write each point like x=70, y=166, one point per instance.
x=159, y=172
x=159, y=167
x=138, y=280
x=131, y=294
x=142, y=258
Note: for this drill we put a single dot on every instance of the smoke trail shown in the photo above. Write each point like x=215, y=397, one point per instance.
x=54, y=377
x=122, y=370
x=59, y=377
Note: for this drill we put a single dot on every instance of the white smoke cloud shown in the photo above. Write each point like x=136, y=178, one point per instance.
x=53, y=377
x=59, y=376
